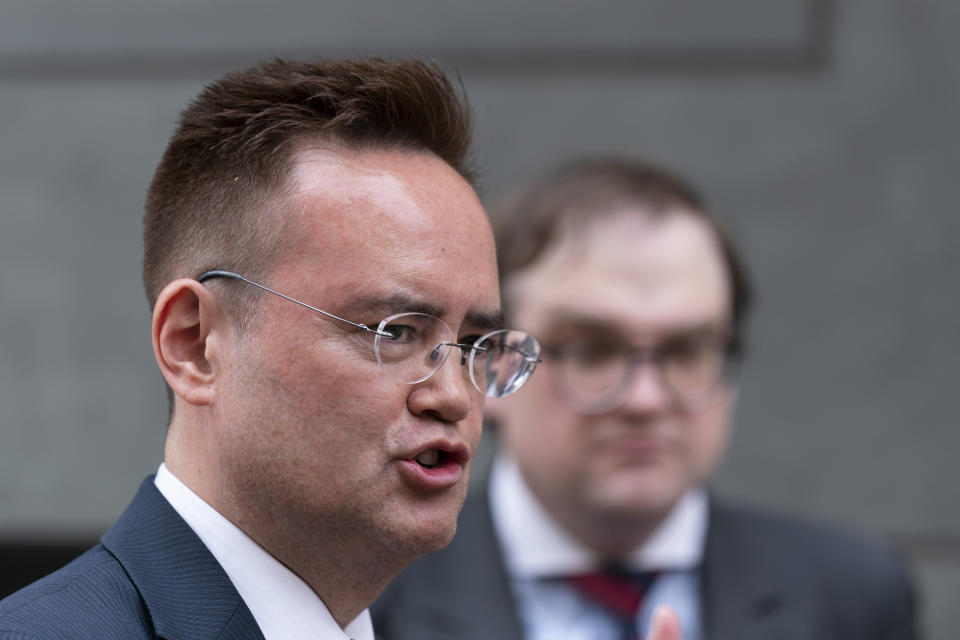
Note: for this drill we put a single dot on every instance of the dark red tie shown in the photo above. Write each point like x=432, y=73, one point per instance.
x=619, y=592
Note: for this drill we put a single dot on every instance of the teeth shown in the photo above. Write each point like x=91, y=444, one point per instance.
x=429, y=458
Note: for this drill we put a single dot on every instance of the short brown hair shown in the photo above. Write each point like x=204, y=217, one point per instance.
x=528, y=223
x=232, y=152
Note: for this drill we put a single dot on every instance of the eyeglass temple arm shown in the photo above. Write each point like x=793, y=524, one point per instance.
x=236, y=276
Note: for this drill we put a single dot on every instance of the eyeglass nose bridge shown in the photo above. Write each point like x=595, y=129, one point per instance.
x=480, y=377
x=439, y=355
x=446, y=348
x=644, y=355
x=649, y=361
x=465, y=350
x=653, y=359
x=424, y=343
x=633, y=360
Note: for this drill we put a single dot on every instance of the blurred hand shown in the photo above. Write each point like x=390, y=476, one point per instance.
x=665, y=625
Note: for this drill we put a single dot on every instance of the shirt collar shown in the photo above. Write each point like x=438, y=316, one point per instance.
x=284, y=606
x=535, y=545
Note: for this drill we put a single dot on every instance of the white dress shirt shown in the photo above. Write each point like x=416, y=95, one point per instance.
x=284, y=606
x=536, y=547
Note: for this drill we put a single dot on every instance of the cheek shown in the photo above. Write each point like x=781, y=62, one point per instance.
x=472, y=427
x=305, y=407
x=538, y=431
x=710, y=433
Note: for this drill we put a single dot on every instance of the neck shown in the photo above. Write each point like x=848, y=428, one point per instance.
x=611, y=533
x=346, y=581
x=614, y=536
x=344, y=573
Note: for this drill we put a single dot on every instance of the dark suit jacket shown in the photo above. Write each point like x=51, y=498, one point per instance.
x=150, y=577
x=764, y=577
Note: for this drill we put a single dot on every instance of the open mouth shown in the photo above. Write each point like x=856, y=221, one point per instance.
x=430, y=458
x=440, y=466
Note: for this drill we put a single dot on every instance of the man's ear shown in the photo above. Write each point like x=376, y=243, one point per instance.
x=183, y=317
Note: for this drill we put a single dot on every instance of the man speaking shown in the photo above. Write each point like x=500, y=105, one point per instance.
x=327, y=317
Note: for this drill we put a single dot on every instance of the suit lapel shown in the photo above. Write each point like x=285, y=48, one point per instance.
x=744, y=594
x=485, y=578
x=461, y=592
x=184, y=588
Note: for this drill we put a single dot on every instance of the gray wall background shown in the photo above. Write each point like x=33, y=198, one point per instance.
x=825, y=132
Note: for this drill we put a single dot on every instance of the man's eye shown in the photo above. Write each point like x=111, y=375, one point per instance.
x=600, y=353
x=400, y=333
x=686, y=351
x=590, y=352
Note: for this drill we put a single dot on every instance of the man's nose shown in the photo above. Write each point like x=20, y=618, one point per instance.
x=647, y=390
x=446, y=395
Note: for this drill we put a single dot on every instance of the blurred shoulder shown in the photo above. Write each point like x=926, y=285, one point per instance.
x=768, y=532
x=857, y=584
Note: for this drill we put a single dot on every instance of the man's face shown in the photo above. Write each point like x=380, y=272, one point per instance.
x=317, y=441
x=640, y=282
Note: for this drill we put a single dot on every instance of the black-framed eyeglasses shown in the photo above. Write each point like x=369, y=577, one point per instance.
x=594, y=376
x=413, y=346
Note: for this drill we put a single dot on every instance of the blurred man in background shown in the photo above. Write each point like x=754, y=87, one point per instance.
x=596, y=510
x=312, y=451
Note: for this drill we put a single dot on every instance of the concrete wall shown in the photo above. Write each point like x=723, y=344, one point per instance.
x=826, y=132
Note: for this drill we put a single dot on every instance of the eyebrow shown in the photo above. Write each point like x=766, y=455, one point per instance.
x=487, y=320
x=400, y=302
x=566, y=321
x=390, y=303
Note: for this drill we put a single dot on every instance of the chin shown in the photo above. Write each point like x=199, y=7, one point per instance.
x=414, y=539
x=648, y=502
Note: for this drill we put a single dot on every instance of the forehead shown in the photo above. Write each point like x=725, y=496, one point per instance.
x=635, y=271
x=373, y=222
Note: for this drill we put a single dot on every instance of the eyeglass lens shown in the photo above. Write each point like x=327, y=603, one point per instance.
x=502, y=361
x=594, y=378
x=414, y=346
